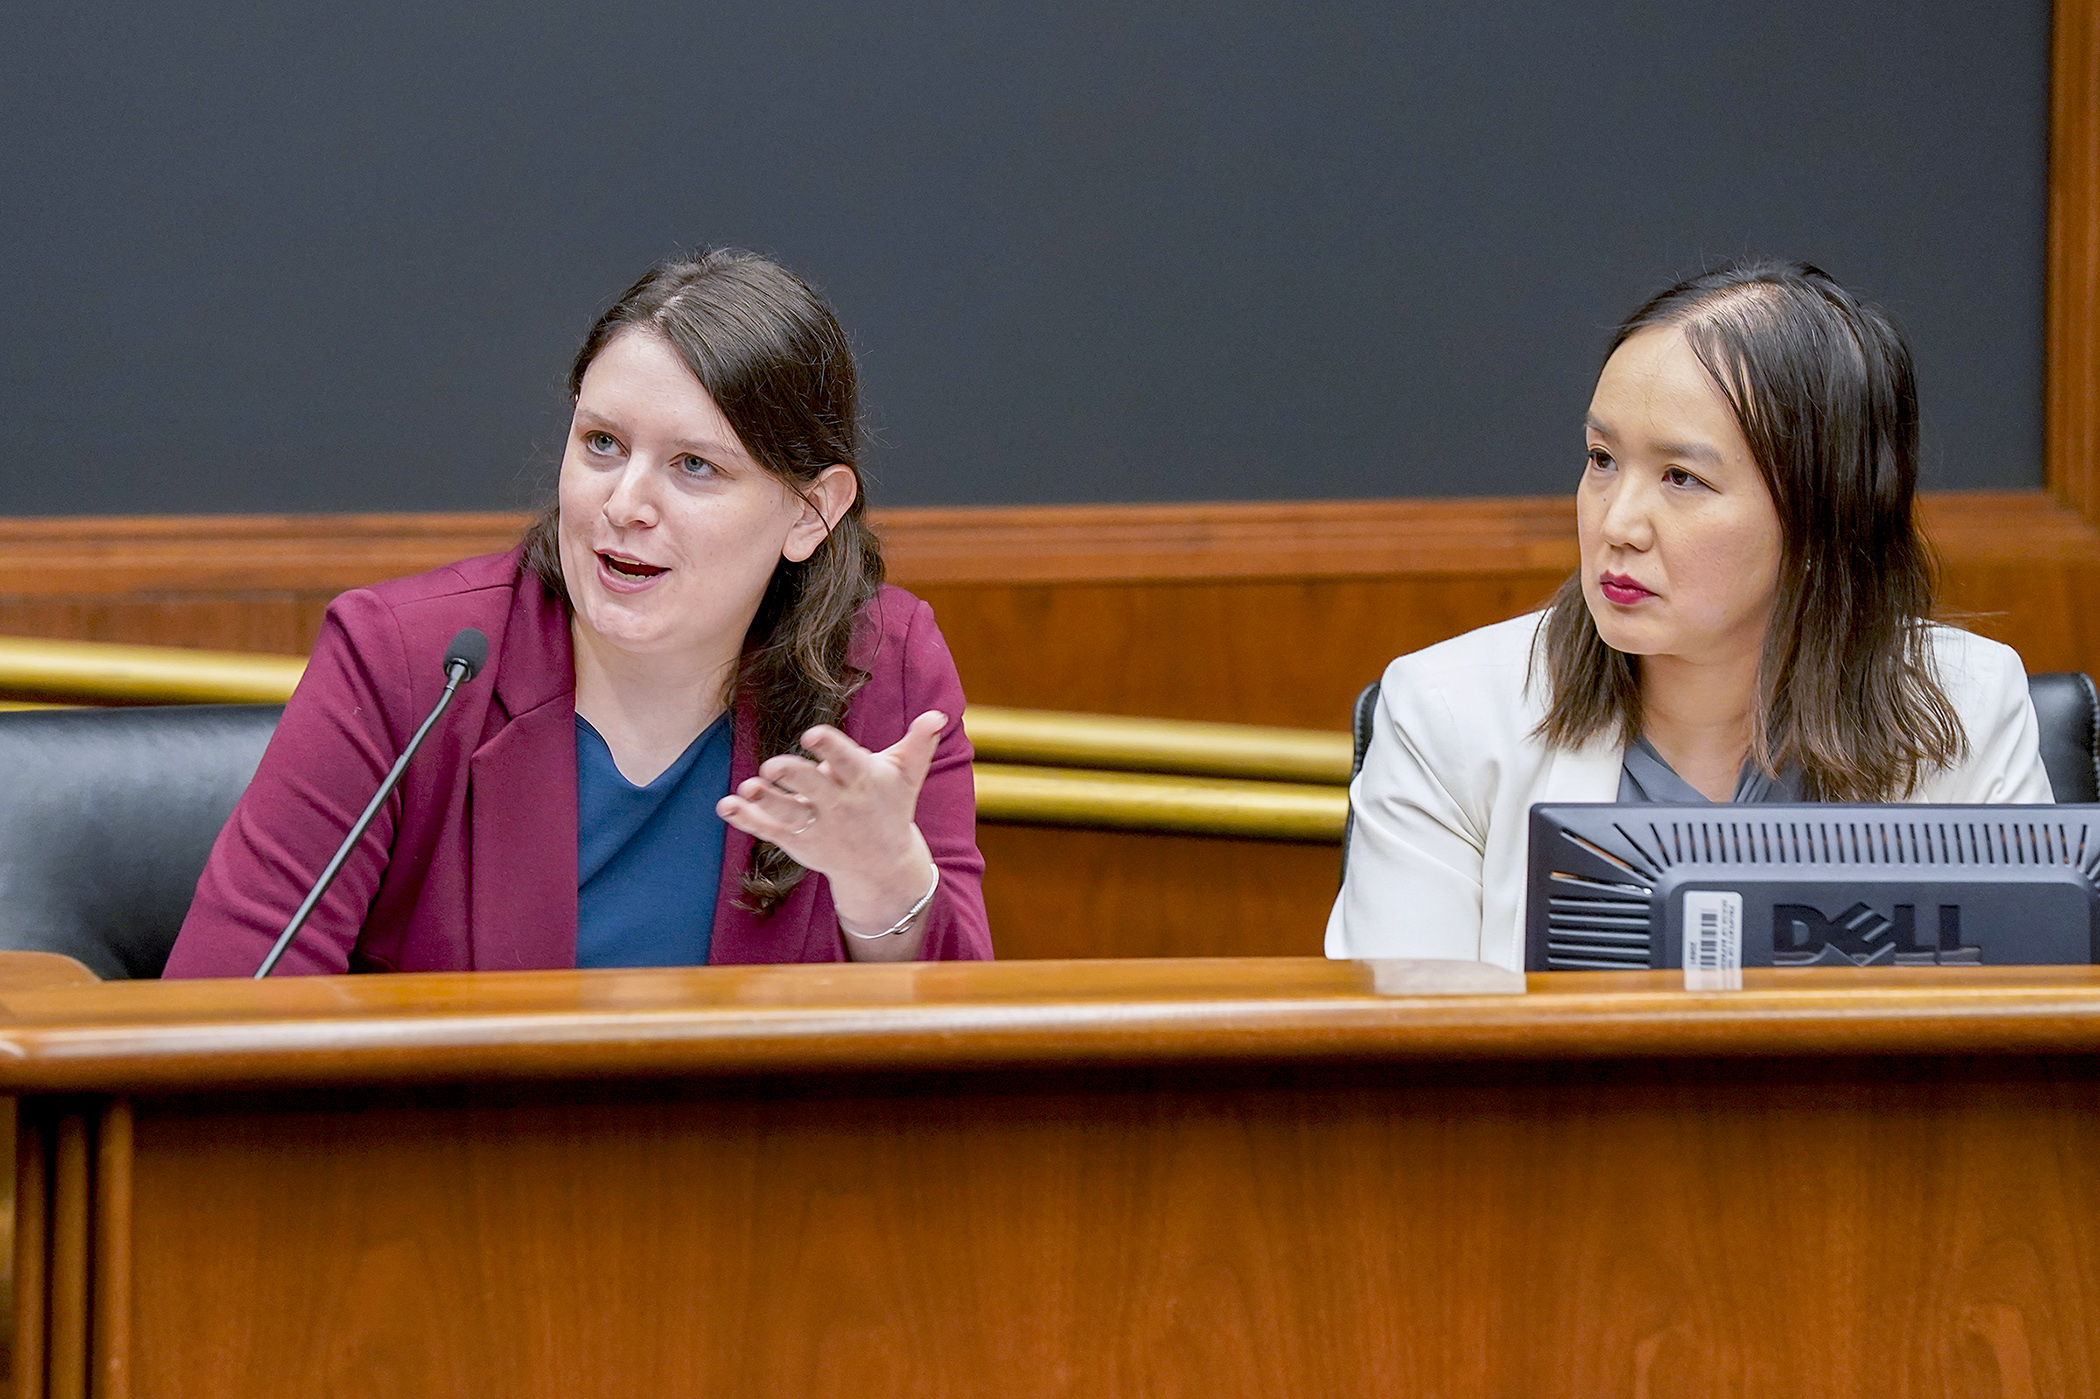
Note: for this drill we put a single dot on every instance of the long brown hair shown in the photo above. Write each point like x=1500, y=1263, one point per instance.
x=1822, y=387
x=774, y=359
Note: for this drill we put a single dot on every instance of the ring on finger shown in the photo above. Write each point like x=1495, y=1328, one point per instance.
x=802, y=802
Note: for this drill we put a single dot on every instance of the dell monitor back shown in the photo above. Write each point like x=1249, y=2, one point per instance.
x=1618, y=887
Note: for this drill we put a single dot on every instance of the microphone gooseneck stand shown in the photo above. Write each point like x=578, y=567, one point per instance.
x=463, y=661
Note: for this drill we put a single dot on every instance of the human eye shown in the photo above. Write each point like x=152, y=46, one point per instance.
x=1682, y=479
x=697, y=467
x=600, y=444
x=1599, y=459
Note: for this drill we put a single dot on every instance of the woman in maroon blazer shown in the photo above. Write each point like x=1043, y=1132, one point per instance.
x=693, y=647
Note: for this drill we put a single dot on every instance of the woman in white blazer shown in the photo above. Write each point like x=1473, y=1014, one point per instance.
x=1749, y=623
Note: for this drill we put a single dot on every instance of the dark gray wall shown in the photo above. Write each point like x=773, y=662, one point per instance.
x=334, y=256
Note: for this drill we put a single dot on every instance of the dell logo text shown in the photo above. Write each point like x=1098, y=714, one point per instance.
x=1863, y=937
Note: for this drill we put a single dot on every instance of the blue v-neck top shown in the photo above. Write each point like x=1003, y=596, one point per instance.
x=648, y=859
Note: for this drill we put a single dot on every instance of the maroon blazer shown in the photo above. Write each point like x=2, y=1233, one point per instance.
x=471, y=864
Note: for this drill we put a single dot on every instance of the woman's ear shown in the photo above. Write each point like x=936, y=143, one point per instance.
x=825, y=502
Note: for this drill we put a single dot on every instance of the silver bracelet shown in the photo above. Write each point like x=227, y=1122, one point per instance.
x=906, y=921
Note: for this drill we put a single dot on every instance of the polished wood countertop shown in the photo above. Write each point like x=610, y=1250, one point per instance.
x=71, y=1034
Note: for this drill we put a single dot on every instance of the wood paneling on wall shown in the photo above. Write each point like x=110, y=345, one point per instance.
x=2071, y=412
x=1259, y=613
x=1071, y=893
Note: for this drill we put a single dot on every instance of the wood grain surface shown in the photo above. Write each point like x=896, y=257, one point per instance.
x=1224, y=1178
x=1885, y=1226
x=26, y=971
x=2071, y=419
x=147, y=1036
x=1891, y=1229
x=111, y=1309
x=1072, y=893
x=1273, y=613
x=71, y=1253
x=29, y=1225
x=248, y=555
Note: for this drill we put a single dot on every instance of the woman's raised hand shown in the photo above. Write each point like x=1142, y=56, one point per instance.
x=848, y=816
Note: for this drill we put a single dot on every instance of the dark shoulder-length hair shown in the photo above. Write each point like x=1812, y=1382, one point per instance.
x=774, y=359
x=1822, y=387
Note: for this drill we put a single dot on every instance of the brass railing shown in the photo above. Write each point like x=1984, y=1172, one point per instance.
x=99, y=671
x=1159, y=745
x=1135, y=801
x=1035, y=767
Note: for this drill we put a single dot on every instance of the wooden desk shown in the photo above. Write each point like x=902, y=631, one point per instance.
x=1216, y=1178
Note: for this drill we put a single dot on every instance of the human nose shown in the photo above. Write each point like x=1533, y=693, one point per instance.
x=631, y=503
x=1628, y=521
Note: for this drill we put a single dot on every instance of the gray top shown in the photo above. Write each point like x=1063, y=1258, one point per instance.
x=1645, y=777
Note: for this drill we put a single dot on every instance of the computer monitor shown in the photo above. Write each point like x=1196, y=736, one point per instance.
x=1616, y=887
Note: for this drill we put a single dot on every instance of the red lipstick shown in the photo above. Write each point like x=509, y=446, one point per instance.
x=1620, y=590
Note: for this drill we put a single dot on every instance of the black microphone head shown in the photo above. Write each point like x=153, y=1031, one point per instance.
x=470, y=648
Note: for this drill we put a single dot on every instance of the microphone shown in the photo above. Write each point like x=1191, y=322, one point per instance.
x=464, y=658
x=470, y=651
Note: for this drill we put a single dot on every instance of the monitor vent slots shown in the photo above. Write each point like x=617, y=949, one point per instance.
x=1593, y=925
x=1660, y=846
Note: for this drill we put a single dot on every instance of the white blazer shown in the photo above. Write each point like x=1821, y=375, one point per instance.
x=1443, y=804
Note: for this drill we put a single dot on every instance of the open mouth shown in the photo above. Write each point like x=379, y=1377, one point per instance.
x=629, y=568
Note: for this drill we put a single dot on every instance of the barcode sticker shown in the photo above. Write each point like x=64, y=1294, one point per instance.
x=1713, y=940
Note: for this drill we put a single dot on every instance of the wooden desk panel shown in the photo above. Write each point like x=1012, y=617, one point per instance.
x=1548, y=1233
x=1218, y=1178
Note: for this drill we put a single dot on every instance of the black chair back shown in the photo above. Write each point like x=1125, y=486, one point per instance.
x=108, y=819
x=1360, y=720
x=2066, y=710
